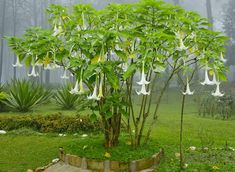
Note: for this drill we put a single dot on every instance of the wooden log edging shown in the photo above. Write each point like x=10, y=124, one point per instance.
x=110, y=165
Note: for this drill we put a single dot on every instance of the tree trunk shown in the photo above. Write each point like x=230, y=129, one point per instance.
x=2, y=33
x=14, y=33
x=181, y=132
x=209, y=13
x=177, y=2
x=112, y=128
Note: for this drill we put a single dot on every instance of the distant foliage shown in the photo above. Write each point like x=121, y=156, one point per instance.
x=222, y=107
x=24, y=95
x=3, y=97
x=65, y=99
x=56, y=123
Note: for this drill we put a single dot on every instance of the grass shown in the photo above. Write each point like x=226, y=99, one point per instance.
x=22, y=151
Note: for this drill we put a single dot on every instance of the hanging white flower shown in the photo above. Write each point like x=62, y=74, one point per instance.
x=48, y=67
x=188, y=92
x=143, y=91
x=33, y=72
x=75, y=89
x=217, y=92
x=57, y=31
x=214, y=80
x=17, y=64
x=207, y=81
x=143, y=80
x=94, y=94
x=222, y=58
x=64, y=76
x=81, y=88
x=73, y=54
x=100, y=95
x=182, y=46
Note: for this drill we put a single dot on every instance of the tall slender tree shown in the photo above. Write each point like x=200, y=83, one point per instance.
x=209, y=13
x=2, y=33
x=176, y=2
x=14, y=9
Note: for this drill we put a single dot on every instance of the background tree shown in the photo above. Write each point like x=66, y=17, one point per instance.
x=229, y=27
x=209, y=13
x=2, y=34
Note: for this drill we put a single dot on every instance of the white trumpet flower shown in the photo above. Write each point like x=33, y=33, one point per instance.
x=217, y=92
x=81, y=88
x=48, y=67
x=100, y=88
x=57, y=31
x=33, y=72
x=207, y=81
x=143, y=80
x=214, y=80
x=64, y=76
x=222, y=58
x=182, y=46
x=75, y=89
x=143, y=91
x=17, y=64
x=94, y=94
x=188, y=92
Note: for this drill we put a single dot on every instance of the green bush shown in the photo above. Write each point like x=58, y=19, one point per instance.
x=3, y=97
x=24, y=95
x=66, y=100
x=57, y=123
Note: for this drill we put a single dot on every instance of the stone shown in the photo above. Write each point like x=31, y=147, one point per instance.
x=114, y=165
x=106, y=166
x=40, y=169
x=29, y=170
x=123, y=166
x=83, y=163
x=3, y=132
x=144, y=164
x=132, y=167
x=93, y=164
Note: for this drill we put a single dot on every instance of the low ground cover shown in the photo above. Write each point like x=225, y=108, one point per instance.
x=22, y=150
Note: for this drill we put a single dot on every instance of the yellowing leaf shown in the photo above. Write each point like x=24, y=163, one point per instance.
x=46, y=61
x=107, y=155
x=211, y=73
x=84, y=147
x=95, y=60
x=61, y=48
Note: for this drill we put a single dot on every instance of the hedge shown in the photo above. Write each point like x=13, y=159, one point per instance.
x=57, y=123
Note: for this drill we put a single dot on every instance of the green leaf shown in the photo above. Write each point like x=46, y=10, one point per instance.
x=130, y=71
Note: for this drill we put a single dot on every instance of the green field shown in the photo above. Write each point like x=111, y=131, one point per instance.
x=20, y=151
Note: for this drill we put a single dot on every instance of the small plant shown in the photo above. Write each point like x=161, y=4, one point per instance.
x=65, y=99
x=24, y=95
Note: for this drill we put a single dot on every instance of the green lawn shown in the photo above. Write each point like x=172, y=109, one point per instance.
x=20, y=152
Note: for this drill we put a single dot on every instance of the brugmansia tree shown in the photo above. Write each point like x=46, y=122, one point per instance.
x=105, y=49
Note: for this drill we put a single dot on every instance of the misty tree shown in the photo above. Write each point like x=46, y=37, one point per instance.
x=229, y=27
x=2, y=33
x=105, y=49
x=209, y=13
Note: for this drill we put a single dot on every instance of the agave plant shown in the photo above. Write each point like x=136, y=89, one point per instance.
x=24, y=95
x=65, y=99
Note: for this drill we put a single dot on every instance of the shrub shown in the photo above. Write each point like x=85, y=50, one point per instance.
x=24, y=95
x=57, y=123
x=3, y=97
x=66, y=100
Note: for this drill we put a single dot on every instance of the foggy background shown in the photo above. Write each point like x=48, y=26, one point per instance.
x=18, y=15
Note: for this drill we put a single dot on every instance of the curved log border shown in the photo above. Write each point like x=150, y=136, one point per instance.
x=110, y=165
